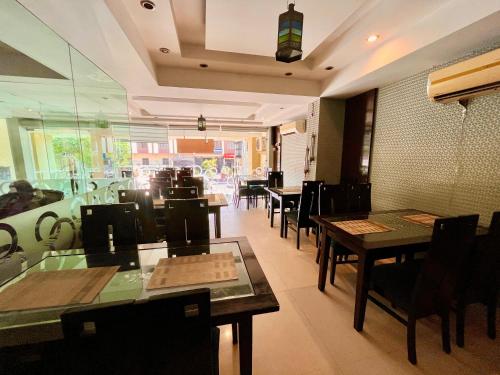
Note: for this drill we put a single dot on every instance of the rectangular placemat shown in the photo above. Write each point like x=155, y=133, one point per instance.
x=194, y=269
x=361, y=226
x=424, y=219
x=41, y=290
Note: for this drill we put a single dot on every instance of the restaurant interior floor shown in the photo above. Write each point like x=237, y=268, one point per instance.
x=313, y=332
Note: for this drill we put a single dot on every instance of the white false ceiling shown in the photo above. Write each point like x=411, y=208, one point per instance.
x=251, y=27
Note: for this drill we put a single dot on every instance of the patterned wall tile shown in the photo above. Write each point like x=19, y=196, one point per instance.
x=425, y=157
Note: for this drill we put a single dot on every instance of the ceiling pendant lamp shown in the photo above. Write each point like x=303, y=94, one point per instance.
x=202, y=123
x=290, y=35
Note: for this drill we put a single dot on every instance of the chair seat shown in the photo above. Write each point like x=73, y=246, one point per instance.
x=396, y=281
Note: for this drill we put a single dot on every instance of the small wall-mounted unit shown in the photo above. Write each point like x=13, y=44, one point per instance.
x=261, y=144
x=298, y=126
x=479, y=75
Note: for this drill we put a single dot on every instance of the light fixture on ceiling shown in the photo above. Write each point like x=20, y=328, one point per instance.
x=148, y=5
x=329, y=68
x=203, y=65
x=290, y=26
x=202, y=123
x=288, y=74
x=372, y=38
x=164, y=50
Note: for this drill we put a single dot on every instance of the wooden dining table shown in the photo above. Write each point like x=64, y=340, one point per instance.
x=282, y=196
x=215, y=202
x=405, y=237
x=234, y=301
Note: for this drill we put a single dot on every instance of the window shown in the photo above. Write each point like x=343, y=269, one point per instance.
x=145, y=161
x=163, y=147
x=164, y=161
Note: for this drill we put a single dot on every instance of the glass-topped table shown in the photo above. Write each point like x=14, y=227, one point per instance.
x=403, y=237
x=233, y=301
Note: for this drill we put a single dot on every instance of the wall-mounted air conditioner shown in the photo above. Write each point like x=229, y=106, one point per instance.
x=298, y=126
x=479, y=75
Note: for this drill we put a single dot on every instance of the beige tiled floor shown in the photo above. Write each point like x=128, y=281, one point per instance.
x=312, y=334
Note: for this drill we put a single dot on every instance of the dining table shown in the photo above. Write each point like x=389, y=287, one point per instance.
x=215, y=202
x=283, y=196
x=399, y=235
x=233, y=301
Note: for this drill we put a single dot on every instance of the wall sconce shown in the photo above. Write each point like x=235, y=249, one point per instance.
x=312, y=148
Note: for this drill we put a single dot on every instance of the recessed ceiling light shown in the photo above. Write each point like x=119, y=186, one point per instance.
x=373, y=38
x=329, y=68
x=105, y=98
x=288, y=73
x=164, y=50
x=30, y=110
x=282, y=108
x=148, y=5
x=203, y=66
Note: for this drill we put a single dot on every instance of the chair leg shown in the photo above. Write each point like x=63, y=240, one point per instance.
x=286, y=228
x=235, y=333
x=460, y=324
x=445, y=331
x=307, y=231
x=317, y=237
x=318, y=254
x=298, y=237
x=411, y=340
x=492, y=310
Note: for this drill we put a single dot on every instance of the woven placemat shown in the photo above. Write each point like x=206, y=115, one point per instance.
x=424, y=219
x=361, y=226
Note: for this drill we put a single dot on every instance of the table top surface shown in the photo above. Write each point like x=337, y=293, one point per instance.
x=404, y=232
x=250, y=293
x=287, y=190
x=214, y=200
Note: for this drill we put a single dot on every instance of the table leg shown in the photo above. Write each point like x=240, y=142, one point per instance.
x=323, y=260
x=245, y=345
x=217, y=222
x=365, y=264
x=282, y=217
x=234, y=327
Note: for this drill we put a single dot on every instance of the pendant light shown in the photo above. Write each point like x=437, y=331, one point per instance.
x=202, y=123
x=290, y=35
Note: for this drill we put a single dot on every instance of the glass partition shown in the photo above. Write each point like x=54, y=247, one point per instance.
x=64, y=138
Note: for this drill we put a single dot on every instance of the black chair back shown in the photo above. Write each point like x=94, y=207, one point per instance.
x=99, y=221
x=308, y=204
x=181, y=193
x=167, y=334
x=275, y=179
x=194, y=182
x=333, y=199
x=180, y=174
x=166, y=173
x=360, y=197
x=186, y=220
x=145, y=213
x=444, y=266
x=159, y=185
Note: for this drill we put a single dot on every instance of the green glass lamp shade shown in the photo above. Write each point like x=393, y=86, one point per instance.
x=290, y=36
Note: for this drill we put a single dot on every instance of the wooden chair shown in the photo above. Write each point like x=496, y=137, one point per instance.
x=243, y=192
x=147, y=226
x=181, y=173
x=166, y=334
x=274, y=180
x=308, y=206
x=181, y=193
x=483, y=282
x=99, y=222
x=166, y=173
x=427, y=287
x=158, y=185
x=186, y=220
x=197, y=182
x=257, y=190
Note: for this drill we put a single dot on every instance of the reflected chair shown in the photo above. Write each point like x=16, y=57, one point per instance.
x=483, y=282
x=243, y=192
x=308, y=206
x=147, y=226
x=181, y=193
x=166, y=173
x=427, y=287
x=158, y=185
x=166, y=334
x=186, y=220
x=109, y=223
x=194, y=182
x=180, y=174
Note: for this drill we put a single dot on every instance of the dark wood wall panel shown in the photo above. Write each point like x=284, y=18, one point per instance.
x=358, y=129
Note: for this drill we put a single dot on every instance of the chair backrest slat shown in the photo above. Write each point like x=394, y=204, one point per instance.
x=197, y=182
x=308, y=204
x=186, y=220
x=145, y=213
x=275, y=179
x=168, y=334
